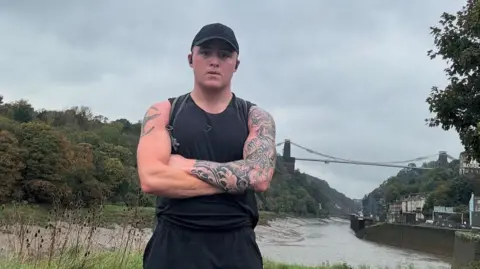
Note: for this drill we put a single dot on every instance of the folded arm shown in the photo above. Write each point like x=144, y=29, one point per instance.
x=153, y=156
x=256, y=169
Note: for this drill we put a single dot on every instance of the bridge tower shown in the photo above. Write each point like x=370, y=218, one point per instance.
x=287, y=157
x=442, y=159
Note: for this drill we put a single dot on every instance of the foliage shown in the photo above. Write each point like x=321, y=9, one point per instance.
x=66, y=157
x=303, y=195
x=471, y=236
x=73, y=156
x=442, y=185
x=458, y=104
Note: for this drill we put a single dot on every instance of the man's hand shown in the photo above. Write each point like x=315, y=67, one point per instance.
x=255, y=171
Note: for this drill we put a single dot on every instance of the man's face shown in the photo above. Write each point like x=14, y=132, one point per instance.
x=213, y=64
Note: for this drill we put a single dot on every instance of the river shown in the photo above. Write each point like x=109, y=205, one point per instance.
x=313, y=242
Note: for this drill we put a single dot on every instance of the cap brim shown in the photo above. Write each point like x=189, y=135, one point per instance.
x=201, y=41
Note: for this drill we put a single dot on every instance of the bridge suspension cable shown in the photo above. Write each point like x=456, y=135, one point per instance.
x=326, y=161
x=357, y=161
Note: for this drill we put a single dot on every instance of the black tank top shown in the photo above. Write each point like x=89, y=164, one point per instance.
x=217, y=138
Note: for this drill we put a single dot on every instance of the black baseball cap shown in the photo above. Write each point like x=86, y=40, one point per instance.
x=216, y=31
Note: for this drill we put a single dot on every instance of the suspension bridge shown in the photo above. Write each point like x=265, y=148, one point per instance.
x=289, y=161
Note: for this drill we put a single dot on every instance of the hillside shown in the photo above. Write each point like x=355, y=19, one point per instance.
x=443, y=185
x=303, y=194
x=75, y=157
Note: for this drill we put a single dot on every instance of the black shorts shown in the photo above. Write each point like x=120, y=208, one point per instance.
x=173, y=247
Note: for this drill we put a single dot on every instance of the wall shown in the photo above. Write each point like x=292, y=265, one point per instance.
x=431, y=240
x=467, y=249
x=475, y=219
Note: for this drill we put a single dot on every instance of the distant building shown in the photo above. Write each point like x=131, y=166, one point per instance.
x=474, y=211
x=394, y=212
x=468, y=167
x=445, y=216
x=414, y=204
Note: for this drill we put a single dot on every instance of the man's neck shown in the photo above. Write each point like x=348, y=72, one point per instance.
x=212, y=101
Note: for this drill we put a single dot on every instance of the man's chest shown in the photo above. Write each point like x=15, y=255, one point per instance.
x=218, y=138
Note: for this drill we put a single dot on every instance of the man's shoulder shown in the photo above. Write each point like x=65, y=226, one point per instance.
x=257, y=113
x=179, y=97
x=252, y=107
x=248, y=102
x=159, y=109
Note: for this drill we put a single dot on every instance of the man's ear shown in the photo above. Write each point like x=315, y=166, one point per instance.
x=190, y=62
x=237, y=64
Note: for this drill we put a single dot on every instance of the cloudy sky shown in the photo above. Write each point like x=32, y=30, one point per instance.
x=346, y=78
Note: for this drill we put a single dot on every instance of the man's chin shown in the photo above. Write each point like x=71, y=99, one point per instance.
x=213, y=86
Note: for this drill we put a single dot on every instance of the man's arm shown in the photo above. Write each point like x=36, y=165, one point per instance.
x=256, y=169
x=153, y=155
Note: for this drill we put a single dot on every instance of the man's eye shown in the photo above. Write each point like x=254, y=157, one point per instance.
x=225, y=54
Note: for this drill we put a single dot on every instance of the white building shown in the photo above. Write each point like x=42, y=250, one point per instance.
x=471, y=167
x=414, y=204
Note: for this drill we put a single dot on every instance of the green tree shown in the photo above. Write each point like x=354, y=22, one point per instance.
x=23, y=111
x=11, y=167
x=48, y=155
x=457, y=40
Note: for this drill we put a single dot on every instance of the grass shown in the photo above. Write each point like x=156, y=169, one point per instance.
x=473, y=236
x=133, y=260
x=110, y=214
x=105, y=237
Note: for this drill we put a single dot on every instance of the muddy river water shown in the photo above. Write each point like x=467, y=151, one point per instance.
x=313, y=242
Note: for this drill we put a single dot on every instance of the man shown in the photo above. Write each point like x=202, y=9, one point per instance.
x=206, y=159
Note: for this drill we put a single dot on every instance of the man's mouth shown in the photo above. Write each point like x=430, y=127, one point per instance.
x=213, y=73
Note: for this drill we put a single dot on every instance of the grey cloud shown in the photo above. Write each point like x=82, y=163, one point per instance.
x=345, y=78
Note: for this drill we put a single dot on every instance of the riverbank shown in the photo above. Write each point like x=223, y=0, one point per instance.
x=133, y=260
x=30, y=235
x=106, y=216
x=36, y=231
x=34, y=236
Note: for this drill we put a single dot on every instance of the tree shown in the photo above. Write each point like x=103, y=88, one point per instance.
x=11, y=167
x=458, y=104
x=23, y=111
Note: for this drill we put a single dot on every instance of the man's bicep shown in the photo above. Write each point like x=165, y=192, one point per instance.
x=154, y=145
x=262, y=134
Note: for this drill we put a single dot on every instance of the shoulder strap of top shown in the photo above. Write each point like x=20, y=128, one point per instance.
x=177, y=105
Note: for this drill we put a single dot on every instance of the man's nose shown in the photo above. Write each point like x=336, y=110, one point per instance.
x=214, y=61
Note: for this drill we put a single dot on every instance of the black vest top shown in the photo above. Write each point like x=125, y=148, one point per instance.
x=210, y=137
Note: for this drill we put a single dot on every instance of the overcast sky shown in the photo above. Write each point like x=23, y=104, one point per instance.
x=346, y=78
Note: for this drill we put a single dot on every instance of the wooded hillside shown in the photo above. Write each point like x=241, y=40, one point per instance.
x=73, y=156
x=443, y=185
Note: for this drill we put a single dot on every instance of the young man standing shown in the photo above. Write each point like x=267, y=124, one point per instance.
x=205, y=154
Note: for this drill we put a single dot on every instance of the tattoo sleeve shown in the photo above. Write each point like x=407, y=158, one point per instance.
x=259, y=157
x=147, y=124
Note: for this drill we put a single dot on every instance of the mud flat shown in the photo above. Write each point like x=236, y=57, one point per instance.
x=35, y=238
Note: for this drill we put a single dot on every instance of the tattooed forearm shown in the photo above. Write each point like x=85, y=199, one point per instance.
x=147, y=125
x=257, y=167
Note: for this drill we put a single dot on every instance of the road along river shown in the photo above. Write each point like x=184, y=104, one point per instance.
x=313, y=242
